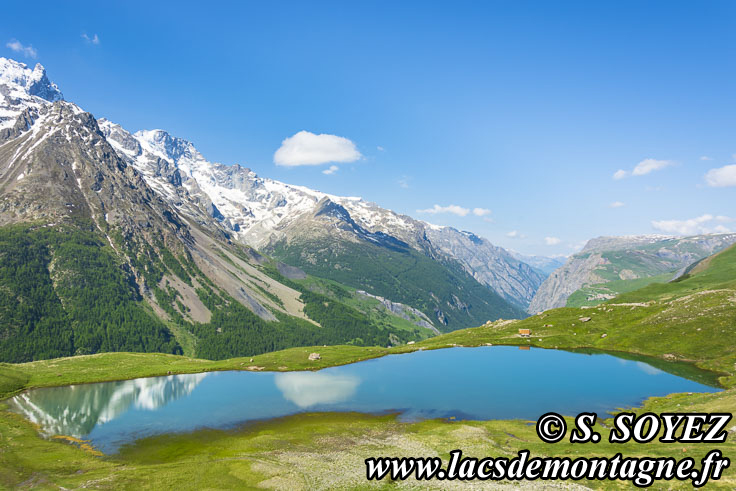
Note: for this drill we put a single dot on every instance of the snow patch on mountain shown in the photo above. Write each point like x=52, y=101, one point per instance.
x=251, y=206
x=21, y=88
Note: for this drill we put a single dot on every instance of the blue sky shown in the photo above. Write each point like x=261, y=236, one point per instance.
x=526, y=109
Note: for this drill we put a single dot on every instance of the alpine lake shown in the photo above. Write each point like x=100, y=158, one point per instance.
x=497, y=382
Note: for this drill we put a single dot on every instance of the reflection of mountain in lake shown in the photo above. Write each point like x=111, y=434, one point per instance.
x=307, y=389
x=77, y=409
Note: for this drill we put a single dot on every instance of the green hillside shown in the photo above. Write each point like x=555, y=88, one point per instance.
x=443, y=291
x=629, y=267
x=717, y=272
x=66, y=292
x=595, y=294
x=371, y=307
x=623, y=271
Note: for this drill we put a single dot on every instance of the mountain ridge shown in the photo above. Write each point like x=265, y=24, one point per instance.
x=601, y=269
x=257, y=210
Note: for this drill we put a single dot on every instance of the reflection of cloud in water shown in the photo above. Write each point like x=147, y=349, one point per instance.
x=644, y=367
x=306, y=389
x=75, y=410
x=648, y=369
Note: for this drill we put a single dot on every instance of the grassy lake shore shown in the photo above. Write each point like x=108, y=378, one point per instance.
x=306, y=451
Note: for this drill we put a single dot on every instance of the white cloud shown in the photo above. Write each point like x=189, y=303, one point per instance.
x=704, y=224
x=650, y=165
x=617, y=204
x=705, y=157
x=515, y=234
x=331, y=170
x=644, y=167
x=305, y=148
x=28, y=51
x=454, y=209
x=550, y=241
x=380, y=148
x=620, y=174
x=722, y=177
x=404, y=182
x=91, y=40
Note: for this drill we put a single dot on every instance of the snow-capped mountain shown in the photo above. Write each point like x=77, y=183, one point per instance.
x=248, y=206
x=166, y=241
x=22, y=88
x=251, y=207
x=259, y=211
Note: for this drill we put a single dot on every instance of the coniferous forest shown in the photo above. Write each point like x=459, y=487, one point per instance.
x=65, y=292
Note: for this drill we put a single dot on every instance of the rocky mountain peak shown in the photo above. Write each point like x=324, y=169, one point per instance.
x=19, y=81
x=23, y=89
x=327, y=207
x=168, y=147
x=631, y=257
x=120, y=138
x=42, y=87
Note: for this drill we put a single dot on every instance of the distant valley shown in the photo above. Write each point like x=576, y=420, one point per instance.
x=608, y=266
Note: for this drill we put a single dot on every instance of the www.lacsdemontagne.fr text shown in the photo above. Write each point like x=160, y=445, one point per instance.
x=641, y=471
x=551, y=428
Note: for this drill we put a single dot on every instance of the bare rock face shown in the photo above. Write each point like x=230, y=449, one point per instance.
x=290, y=272
x=22, y=88
x=563, y=282
x=491, y=265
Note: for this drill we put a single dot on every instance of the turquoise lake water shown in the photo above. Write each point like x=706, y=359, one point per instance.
x=465, y=383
